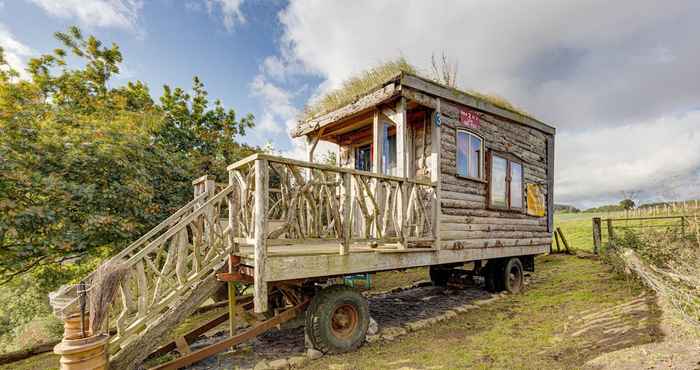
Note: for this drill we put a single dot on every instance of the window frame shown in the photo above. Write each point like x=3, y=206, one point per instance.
x=510, y=159
x=482, y=156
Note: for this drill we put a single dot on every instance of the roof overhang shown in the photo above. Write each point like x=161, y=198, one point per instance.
x=408, y=86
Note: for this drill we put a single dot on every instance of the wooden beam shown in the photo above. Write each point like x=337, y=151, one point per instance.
x=229, y=342
x=550, y=183
x=356, y=263
x=260, y=235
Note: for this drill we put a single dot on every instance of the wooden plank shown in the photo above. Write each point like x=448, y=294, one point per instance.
x=229, y=342
x=355, y=263
x=260, y=250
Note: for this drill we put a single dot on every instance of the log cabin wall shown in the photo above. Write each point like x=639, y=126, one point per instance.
x=466, y=219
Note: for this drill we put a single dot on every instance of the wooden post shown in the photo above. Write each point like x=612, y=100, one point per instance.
x=377, y=167
x=401, y=139
x=596, y=234
x=402, y=169
x=260, y=248
x=347, y=221
x=556, y=238
x=233, y=202
x=611, y=233
x=435, y=138
x=563, y=240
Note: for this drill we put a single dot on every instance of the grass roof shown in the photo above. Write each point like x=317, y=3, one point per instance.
x=373, y=78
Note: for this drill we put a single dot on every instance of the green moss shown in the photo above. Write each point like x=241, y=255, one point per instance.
x=373, y=78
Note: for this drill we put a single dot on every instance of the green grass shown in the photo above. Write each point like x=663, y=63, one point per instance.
x=522, y=331
x=578, y=227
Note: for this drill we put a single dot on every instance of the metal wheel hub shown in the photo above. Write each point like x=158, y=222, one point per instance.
x=344, y=320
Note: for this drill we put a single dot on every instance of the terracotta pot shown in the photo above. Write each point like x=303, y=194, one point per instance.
x=71, y=327
x=83, y=354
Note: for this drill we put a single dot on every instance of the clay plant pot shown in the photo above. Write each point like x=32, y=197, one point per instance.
x=72, y=328
x=83, y=354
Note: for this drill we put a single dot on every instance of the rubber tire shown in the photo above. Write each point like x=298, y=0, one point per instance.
x=439, y=276
x=513, y=263
x=318, y=319
x=493, y=276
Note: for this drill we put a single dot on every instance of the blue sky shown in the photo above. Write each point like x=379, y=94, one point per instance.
x=619, y=80
x=172, y=41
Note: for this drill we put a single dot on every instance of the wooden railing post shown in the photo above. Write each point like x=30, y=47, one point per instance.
x=402, y=214
x=596, y=234
x=347, y=222
x=260, y=234
x=233, y=205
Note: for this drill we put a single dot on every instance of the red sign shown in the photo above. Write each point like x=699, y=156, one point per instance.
x=469, y=119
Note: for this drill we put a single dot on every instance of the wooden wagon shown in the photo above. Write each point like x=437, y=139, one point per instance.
x=426, y=176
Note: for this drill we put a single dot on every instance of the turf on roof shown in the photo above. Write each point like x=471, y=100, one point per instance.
x=373, y=78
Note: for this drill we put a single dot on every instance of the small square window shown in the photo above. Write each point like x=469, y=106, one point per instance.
x=505, y=183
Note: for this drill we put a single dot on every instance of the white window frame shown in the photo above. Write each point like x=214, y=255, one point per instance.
x=470, y=134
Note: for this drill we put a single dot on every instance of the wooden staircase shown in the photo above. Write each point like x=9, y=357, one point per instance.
x=171, y=272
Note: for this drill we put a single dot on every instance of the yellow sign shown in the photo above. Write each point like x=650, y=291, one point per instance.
x=535, y=200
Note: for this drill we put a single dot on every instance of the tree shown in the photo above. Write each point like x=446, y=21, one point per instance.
x=86, y=168
x=627, y=204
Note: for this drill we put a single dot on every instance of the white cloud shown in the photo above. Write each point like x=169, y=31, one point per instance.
x=97, y=13
x=230, y=12
x=651, y=157
x=15, y=51
x=589, y=68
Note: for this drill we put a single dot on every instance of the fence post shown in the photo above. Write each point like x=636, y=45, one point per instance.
x=611, y=233
x=596, y=234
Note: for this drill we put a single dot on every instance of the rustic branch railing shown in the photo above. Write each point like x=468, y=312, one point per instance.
x=321, y=203
x=171, y=263
x=168, y=260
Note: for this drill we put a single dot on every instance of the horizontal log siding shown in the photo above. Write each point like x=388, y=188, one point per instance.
x=466, y=221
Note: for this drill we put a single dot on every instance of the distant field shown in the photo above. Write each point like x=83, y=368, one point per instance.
x=578, y=227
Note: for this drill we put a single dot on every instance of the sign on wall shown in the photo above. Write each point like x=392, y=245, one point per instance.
x=535, y=200
x=470, y=119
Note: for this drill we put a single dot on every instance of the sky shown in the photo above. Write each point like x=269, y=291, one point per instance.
x=619, y=80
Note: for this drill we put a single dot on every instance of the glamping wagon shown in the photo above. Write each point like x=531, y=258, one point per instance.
x=426, y=176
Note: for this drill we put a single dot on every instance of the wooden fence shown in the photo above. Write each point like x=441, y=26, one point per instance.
x=676, y=223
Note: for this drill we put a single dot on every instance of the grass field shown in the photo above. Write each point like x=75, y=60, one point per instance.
x=532, y=330
x=578, y=227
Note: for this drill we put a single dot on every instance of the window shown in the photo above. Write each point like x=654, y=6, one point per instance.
x=506, y=183
x=363, y=158
x=469, y=155
x=389, y=151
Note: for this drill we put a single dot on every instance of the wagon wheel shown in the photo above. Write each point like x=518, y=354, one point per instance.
x=337, y=319
x=513, y=275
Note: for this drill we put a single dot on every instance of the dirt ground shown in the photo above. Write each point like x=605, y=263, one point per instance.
x=574, y=310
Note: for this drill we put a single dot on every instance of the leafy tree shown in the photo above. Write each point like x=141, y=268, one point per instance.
x=85, y=168
x=627, y=204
